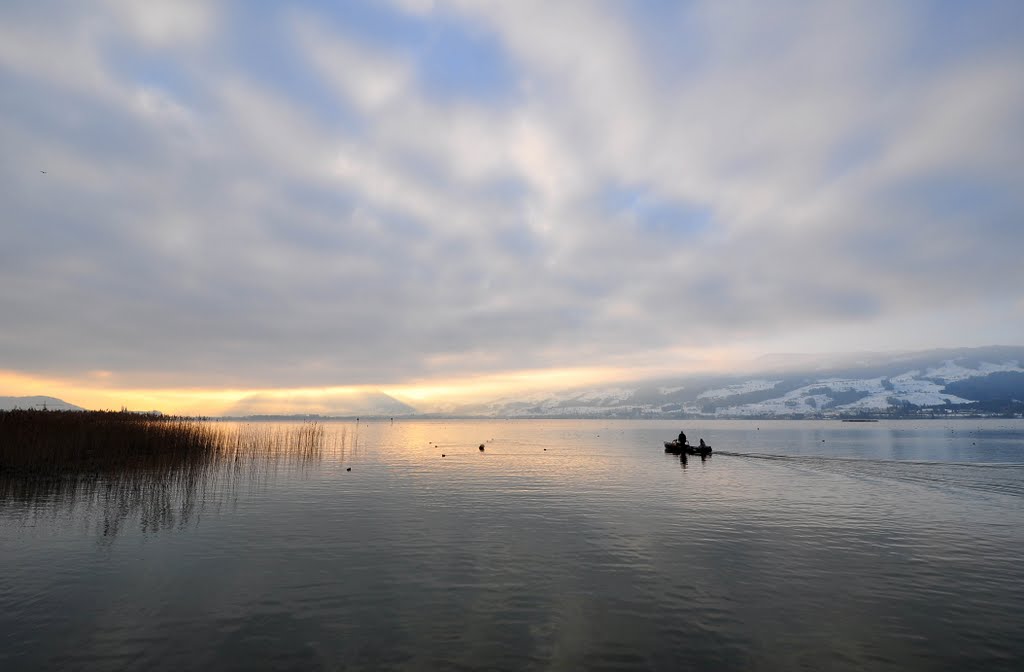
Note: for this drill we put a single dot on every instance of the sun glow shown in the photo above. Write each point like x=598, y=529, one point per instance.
x=101, y=389
x=96, y=392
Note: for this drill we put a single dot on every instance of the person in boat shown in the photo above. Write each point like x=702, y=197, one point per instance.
x=682, y=438
x=703, y=446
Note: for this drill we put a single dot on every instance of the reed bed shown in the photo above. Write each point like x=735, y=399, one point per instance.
x=158, y=468
x=34, y=442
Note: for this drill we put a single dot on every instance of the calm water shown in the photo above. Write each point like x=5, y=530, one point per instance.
x=565, y=545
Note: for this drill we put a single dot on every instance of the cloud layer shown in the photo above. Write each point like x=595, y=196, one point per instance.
x=271, y=196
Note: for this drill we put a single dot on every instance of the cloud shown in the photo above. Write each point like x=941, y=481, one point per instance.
x=163, y=23
x=365, y=77
x=256, y=196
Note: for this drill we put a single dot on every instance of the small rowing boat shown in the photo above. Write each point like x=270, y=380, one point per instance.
x=677, y=448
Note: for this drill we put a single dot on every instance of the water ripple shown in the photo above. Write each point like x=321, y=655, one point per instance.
x=563, y=545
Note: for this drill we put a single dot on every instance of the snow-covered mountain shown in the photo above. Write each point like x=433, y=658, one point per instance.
x=970, y=379
x=835, y=385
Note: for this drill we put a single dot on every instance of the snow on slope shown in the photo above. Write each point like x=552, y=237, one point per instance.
x=905, y=387
x=609, y=394
x=920, y=386
x=739, y=388
x=587, y=402
x=950, y=371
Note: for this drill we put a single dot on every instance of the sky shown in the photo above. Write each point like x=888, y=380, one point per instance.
x=299, y=203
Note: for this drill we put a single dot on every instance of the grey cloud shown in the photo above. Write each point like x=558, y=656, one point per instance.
x=236, y=239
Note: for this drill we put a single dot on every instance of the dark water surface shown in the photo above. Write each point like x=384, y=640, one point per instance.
x=564, y=545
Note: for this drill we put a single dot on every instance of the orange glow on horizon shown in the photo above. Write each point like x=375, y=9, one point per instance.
x=99, y=390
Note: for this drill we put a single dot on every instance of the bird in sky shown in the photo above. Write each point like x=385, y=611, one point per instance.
x=43, y=172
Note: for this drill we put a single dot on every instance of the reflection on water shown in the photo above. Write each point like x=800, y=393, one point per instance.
x=562, y=545
x=166, y=489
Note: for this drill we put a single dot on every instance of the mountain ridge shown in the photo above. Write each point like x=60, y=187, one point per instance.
x=987, y=380
x=818, y=386
x=37, y=402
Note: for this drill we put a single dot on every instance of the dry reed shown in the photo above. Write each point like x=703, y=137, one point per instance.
x=158, y=467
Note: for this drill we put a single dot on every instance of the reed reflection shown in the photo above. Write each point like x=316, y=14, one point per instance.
x=163, y=471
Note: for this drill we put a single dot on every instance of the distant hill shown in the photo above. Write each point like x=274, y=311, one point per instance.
x=987, y=380
x=51, y=403
x=341, y=405
x=961, y=380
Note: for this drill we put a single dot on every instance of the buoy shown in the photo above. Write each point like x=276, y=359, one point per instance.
x=442, y=455
x=481, y=446
x=349, y=469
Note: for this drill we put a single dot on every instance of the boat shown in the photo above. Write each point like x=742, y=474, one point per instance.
x=677, y=448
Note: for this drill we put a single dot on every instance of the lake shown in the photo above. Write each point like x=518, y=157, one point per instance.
x=565, y=544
